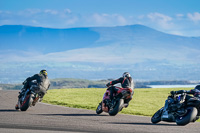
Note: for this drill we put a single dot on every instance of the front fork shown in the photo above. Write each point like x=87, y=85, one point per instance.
x=165, y=111
x=166, y=116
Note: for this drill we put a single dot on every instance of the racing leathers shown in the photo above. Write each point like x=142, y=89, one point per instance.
x=126, y=83
x=39, y=81
x=195, y=92
x=196, y=95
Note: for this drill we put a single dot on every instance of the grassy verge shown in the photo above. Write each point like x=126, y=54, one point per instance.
x=145, y=101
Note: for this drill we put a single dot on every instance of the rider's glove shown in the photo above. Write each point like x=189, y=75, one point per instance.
x=173, y=92
x=24, y=82
x=108, y=84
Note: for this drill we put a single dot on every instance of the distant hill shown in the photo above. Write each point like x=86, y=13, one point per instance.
x=97, y=53
x=45, y=40
x=64, y=83
x=69, y=83
x=77, y=83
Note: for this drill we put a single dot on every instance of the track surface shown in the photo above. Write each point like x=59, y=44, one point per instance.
x=50, y=118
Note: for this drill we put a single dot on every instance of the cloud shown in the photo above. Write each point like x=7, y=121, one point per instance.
x=174, y=32
x=109, y=19
x=100, y=18
x=66, y=18
x=71, y=21
x=32, y=11
x=121, y=19
x=53, y=12
x=195, y=17
x=42, y=18
x=159, y=16
x=67, y=11
x=179, y=15
x=163, y=20
x=35, y=22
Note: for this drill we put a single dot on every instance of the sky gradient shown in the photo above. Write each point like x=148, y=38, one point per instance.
x=180, y=17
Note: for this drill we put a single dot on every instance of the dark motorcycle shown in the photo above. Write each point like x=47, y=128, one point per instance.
x=29, y=98
x=178, y=109
x=117, y=104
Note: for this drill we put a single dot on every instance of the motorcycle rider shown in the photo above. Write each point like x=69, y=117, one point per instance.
x=126, y=83
x=39, y=81
x=195, y=92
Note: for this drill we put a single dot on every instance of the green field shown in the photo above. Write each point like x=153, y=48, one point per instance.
x=145, y=101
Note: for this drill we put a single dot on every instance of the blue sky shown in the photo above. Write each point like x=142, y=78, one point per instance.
x=180, y=17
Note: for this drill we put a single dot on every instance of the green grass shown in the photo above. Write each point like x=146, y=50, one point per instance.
x=76, y=98
x=145, y=101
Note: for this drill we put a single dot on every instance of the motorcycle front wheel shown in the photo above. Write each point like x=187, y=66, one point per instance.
x=99, y=108
x=157, y=116
x=26, y=103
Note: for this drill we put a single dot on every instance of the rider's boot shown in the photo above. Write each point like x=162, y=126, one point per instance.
x=17, y=106
x=126, y=105
x=40, y=100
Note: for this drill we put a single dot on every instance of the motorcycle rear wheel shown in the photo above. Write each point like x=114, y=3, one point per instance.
x=188, y=117
x=118, y=107
x=157, y=116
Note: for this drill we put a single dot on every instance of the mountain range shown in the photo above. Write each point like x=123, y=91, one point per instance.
x=97, y=53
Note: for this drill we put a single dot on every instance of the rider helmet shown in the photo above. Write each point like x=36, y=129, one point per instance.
x=197, y=87
x=126, y=74
x=44, y=72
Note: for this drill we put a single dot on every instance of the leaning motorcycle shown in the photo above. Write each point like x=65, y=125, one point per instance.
x=118, y=102
x=178, y=109
x=29, y=98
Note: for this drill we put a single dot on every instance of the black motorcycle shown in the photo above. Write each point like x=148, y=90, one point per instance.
x=178, y=109
x=29, y=98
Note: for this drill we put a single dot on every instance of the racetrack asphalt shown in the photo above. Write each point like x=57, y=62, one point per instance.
x=46, y=118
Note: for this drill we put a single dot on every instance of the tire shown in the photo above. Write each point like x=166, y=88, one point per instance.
x=188, y=117
x=118, y=107
x=157, y=116
x=99, y=109
x=27, y=102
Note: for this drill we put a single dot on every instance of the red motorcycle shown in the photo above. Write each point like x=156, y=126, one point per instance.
x=117, y=104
